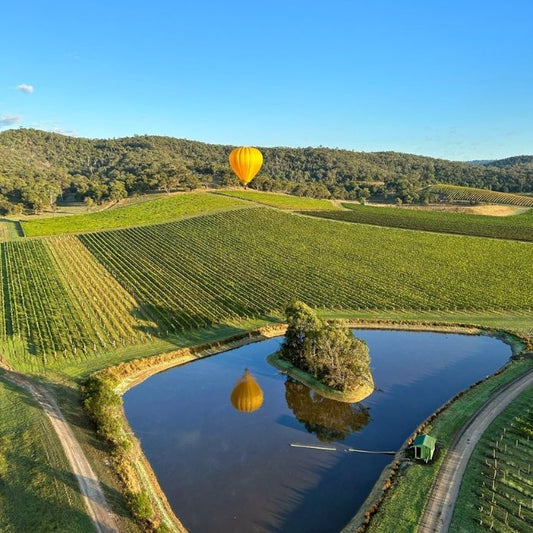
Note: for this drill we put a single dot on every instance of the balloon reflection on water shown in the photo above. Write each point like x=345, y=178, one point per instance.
x=247, y=395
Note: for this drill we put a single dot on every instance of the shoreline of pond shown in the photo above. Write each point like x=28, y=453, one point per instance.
x=362, y=391
x=129, y=374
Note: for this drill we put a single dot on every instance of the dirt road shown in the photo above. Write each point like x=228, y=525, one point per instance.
x=103, y=518
x=441, y=502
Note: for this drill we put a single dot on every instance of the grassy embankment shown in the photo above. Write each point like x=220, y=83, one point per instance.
x=37, y=490
x=150, y=212
x=496, y=489
x=281, y=201
x=404, y=502
x=518, y=227
x=519, y=322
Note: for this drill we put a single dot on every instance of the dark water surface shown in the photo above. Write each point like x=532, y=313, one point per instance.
x=229, y=471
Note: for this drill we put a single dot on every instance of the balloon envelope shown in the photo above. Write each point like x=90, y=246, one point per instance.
x=246, y=162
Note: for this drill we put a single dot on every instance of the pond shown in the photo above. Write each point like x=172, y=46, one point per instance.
x=227, y=470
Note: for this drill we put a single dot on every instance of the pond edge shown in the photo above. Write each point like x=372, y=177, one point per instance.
x=520, y=348
x=362, y=391
x=128, y=374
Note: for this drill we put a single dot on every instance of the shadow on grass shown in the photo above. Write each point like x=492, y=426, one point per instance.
x=200, y=330
x=68, y=399
x=196, y=326
x=25, y=510
x=14, y=228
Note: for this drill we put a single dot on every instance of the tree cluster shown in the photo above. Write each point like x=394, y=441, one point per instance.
x=327, y=351
x=103, y=405
x=38, y=169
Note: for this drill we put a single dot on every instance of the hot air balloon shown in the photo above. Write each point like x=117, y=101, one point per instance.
x=247, y=395
x=246, y=162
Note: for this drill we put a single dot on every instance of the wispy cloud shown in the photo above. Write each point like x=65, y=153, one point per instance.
x=54, y=127
x=9, y=120
x=25, y=88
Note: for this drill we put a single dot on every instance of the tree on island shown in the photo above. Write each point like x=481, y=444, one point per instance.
x=327, y=351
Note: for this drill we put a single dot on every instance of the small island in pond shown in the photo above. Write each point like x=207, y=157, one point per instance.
x=325, y=356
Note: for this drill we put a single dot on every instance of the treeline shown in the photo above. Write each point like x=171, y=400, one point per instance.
x=39, y=169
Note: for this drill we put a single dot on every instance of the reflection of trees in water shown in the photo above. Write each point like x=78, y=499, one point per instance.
x=329, y=419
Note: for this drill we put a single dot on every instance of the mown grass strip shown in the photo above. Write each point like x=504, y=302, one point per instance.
x=10, y=230
x=151, y=212
x=518, y=227
x=282, y=201
x=37, y=490
x=520, y=322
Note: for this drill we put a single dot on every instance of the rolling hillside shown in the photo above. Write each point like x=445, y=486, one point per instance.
x=150, y=212
x=37, y=167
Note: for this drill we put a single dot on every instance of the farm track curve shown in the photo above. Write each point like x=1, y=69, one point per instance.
x=103, y=518
x=440, y=505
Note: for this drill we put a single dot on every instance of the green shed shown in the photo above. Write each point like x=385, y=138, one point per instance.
x=424, y=446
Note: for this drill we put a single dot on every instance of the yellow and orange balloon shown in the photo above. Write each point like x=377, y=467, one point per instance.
x=246, y=162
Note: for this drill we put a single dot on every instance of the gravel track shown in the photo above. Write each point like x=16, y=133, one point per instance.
x=440, y=505
x=103, y=518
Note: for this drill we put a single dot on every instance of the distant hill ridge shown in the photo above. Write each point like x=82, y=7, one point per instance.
x=37, y=164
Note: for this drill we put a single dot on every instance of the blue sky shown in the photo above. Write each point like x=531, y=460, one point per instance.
x=451, y=79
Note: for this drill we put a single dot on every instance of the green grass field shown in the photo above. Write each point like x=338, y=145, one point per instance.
x=518, y=227
x=456, y=193
x=282, y=201
x=139, y=214
x=37, y=490
x=497, y=488
x=10, y=230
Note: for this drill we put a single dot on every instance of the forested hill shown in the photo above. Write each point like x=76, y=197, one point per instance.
x=523, y=161
x=37, y=167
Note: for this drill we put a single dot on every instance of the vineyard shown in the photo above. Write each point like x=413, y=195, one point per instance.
x=456, y=193
x=150, y=212
x=250, y=262
x=73, y=297
x=497, y=490
x=282, y=201
x=58, y=303
x=518, y=227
